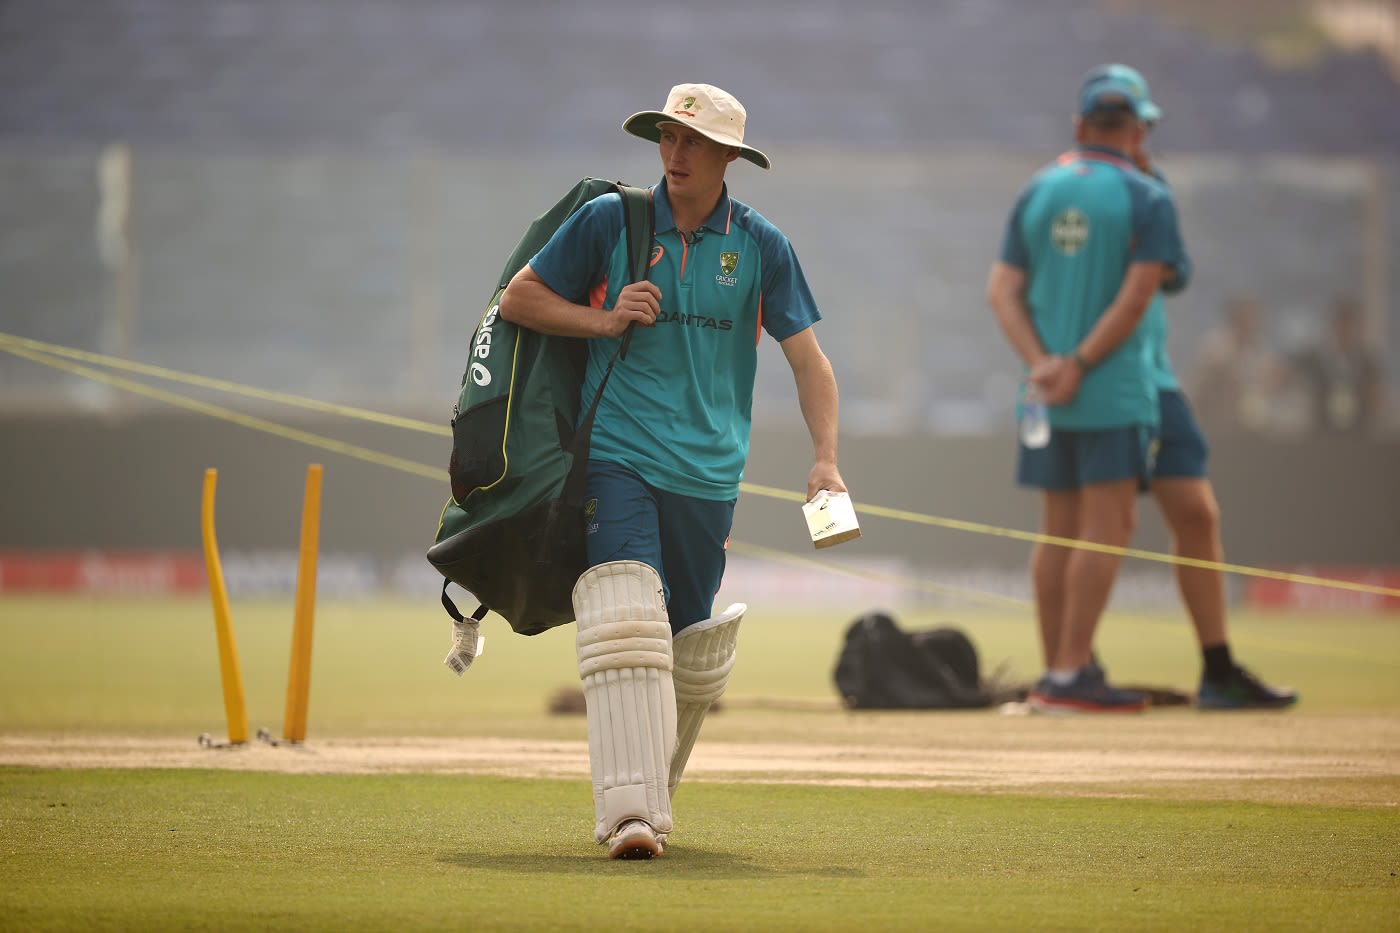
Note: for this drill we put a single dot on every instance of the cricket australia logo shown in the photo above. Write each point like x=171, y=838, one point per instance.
x=728, y=262
x=1070, y=231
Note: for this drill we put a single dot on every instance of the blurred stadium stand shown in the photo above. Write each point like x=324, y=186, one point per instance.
x=518, y=77
x=313, y=196
x=320, y=190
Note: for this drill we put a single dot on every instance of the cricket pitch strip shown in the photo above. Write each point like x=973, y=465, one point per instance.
x=1339, y=760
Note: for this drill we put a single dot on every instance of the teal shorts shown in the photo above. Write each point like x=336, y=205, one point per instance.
x=1074, y=459
x=1182, y=448
x=682, y=538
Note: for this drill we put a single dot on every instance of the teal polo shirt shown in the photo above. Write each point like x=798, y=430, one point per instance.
x=1154, y=349
x=1074, y=230
x=677, y=411
x=1154, y=323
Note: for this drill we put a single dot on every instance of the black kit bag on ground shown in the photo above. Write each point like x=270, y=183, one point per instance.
x=512, y=533
x=882, y=666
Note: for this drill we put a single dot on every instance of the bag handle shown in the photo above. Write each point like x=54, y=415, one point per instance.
x=639, y=216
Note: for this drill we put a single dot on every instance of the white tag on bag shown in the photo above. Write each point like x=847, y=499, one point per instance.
x=467, y=645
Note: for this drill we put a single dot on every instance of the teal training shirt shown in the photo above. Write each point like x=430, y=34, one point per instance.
x=1154, y=336
x=1075, y=229
x=1154, y=323
x=678, y=409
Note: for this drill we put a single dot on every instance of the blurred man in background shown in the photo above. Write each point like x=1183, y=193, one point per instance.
x=1087, y=246
x=1240, y=382
x=1179, y=484
x=1344, y=379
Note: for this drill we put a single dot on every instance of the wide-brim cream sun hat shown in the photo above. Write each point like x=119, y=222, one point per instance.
x=709, y=111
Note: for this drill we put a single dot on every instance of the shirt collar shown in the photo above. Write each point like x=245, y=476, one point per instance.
x=718, y=221
x=1106, y=151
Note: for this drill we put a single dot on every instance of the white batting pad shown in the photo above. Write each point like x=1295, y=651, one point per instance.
x=624, y=661
x=704, y=656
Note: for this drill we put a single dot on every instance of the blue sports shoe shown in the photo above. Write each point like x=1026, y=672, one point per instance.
x=1242, y=690
x=1089, y=692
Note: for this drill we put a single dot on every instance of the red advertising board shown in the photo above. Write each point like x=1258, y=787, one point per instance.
x=1268, y=593
x=141, y=572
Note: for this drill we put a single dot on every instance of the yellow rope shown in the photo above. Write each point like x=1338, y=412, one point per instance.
x=247, y=421
x=14, y=344
x=59, y=357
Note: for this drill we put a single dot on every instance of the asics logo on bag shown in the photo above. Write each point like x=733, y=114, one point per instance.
x=481, y=348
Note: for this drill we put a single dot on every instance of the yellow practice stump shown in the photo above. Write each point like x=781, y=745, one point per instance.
x=234, y=707
x=299, y=673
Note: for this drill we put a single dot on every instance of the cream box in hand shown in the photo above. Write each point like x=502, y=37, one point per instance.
x=831, y=518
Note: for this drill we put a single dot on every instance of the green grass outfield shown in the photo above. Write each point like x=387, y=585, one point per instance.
x=1172, y=820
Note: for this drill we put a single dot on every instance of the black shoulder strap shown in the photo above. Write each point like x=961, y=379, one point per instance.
x=639, y=215
x=640, y=219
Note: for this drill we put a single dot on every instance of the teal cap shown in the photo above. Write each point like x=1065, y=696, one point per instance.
x=1132, y=79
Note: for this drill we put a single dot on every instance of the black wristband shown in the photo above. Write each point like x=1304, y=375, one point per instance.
x=1082, y=363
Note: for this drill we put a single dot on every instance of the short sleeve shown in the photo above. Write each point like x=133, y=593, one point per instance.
x=576, y=256
x=788, y=305
x=1156, y=237
x=1013, y=244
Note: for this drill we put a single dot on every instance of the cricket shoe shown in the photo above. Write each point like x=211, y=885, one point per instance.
x=1242, y=690
x=1088, y=692
x=635, y=839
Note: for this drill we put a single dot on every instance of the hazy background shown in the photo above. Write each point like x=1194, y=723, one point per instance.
x=315, y=196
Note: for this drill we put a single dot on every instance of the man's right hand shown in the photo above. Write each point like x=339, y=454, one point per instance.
x=638, y=303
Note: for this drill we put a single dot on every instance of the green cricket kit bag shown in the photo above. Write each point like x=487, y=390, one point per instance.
x=512, y=533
